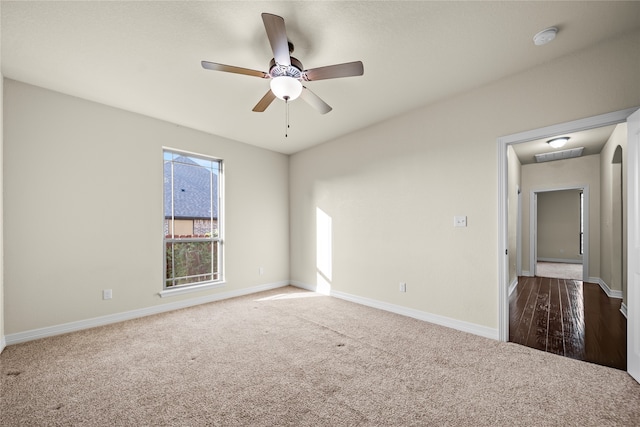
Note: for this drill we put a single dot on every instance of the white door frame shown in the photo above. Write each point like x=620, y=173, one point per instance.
x=519, y=235
x=503, y=213
x=533, y=227
x=633, y=245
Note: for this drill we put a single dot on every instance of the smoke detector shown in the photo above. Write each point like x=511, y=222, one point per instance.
x=545, y=36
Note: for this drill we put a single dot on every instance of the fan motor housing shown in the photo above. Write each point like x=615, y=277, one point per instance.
x=294, y=70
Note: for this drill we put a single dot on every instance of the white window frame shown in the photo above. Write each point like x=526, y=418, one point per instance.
x=216, y=240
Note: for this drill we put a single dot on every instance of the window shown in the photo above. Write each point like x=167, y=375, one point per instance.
x=192, y=220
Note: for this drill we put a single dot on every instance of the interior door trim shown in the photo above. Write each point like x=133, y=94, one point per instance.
x=503, y=214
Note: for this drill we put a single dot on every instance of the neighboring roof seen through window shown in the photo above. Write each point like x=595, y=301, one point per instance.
x=193, y=181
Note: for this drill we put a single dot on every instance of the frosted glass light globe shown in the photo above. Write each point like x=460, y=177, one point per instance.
x=285, y=87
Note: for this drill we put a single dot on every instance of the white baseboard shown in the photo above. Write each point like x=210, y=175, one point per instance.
x=607, y=290
x=460, y=325
x=133, y=314
x=3, y=343
x=513, y=286
x=526, y=273
x=561, y=260
x=623, y=309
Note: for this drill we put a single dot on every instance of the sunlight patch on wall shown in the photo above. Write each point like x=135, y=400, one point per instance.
x=323, y=252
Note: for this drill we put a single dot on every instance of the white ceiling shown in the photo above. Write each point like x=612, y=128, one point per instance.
x=145, y=56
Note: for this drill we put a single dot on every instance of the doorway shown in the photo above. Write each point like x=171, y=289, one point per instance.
x=504, y=144
x=559, y=235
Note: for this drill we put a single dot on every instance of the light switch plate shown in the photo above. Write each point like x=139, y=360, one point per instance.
x=460, y=221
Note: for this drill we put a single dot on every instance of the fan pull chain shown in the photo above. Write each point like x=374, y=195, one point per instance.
x=286, y=129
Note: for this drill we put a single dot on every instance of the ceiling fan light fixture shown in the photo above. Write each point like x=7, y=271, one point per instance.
x=286, y=73
x=558, y=142
x=286, y=88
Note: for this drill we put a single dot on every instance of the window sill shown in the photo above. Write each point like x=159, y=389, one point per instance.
x=189, y=289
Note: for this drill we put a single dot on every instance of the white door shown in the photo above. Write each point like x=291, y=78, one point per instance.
x=633, y=244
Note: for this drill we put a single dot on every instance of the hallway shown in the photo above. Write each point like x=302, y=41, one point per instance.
x=569, y=318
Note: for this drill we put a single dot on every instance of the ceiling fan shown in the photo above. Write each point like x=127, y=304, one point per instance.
x=286, y=72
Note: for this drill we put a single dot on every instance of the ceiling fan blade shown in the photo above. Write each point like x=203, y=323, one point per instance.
x=231, y=69
x=266, y=100
x=315, y=101
x=348, y=69
x=277, y=35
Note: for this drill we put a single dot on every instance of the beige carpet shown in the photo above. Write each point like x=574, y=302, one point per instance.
x=559, y=270
x=291, y=358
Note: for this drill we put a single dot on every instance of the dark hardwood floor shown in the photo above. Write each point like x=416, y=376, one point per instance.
x=570, y=318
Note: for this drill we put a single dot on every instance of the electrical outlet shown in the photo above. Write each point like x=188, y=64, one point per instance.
x=402, y=287
x=107, y=294
x=261, y=271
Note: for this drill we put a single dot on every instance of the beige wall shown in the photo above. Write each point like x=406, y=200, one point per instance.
x=562, y=174
x=514, y=184
x=612, y=223
x=96, y=172
x=393, y=189
x=559, y=226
